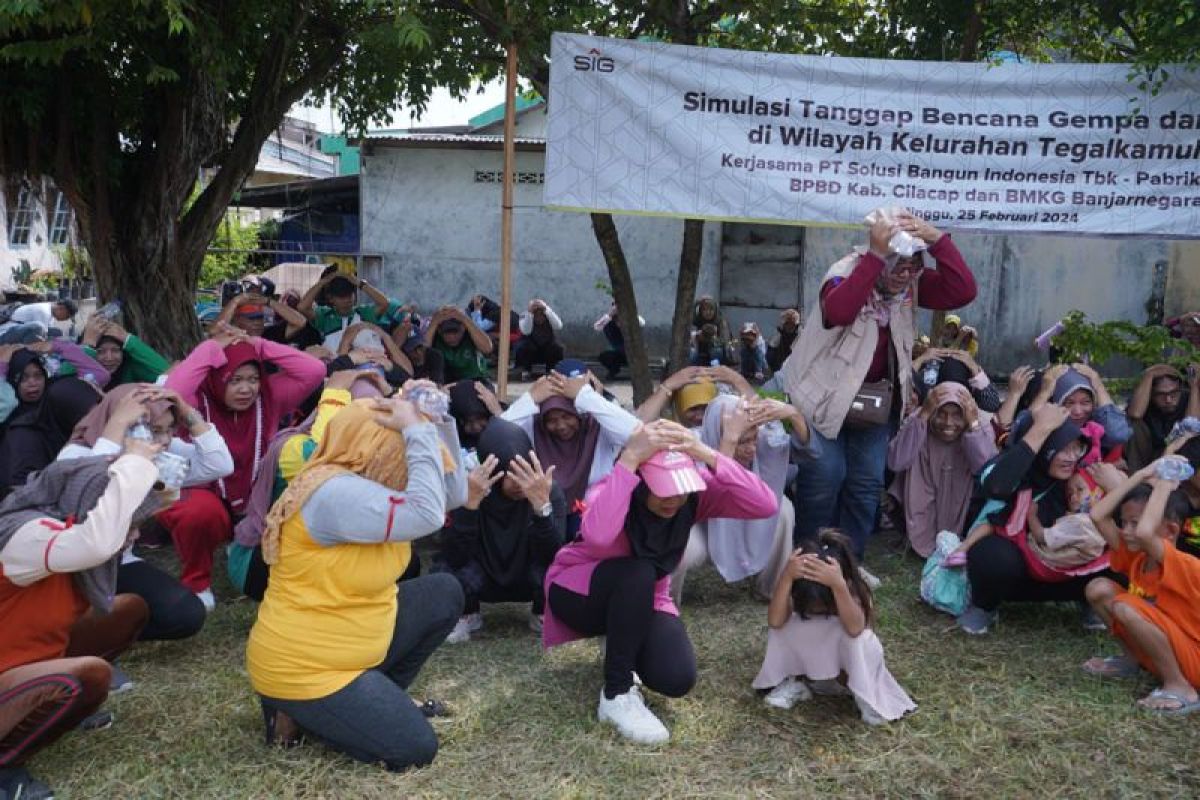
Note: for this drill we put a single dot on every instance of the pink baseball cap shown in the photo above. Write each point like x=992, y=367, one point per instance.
x=669, y=473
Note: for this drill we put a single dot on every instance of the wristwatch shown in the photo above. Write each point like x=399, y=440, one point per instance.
x=546, y=510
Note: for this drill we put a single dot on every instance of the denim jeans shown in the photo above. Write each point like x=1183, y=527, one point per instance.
x=841, y=488
x=373, y=718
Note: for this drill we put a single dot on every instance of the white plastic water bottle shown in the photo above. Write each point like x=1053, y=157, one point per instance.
x=109, y=311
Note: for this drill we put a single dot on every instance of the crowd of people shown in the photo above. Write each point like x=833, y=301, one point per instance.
x=316, y=439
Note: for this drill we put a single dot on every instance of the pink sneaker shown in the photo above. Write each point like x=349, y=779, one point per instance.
x=956, y=559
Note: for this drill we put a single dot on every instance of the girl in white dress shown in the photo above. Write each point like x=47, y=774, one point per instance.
x=820, y=640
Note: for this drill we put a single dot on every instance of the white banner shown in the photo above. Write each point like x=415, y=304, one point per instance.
x=726, y=134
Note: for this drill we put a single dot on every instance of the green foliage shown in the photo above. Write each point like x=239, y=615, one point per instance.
x=1100, y=342
x=231, y=256
x=22, y=274
x=74, y=262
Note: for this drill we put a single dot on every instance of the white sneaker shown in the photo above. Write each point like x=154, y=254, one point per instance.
x=466, y=625
x=870, y=580
x=535, y=623
x=789, y=692
x=206, y=597
x=869, y=715
x=628, y=713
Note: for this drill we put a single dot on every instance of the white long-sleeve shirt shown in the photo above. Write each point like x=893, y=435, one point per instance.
x=616, y=426
x=44, y=546
x=525, y=323
x=208, y=456
x=208, y=460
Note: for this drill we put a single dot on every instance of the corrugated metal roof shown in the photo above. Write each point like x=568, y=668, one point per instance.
x=473, y=141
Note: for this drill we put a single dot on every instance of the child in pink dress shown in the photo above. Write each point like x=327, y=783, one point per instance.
x=820, y=617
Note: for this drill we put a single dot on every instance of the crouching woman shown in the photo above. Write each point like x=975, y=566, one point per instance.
x=614, y=580
x=337, y=642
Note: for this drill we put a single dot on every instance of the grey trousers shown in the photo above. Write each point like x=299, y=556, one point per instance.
x=372, y=718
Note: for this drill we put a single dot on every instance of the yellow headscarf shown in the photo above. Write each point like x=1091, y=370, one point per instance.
x=354, y=443
x=700, y=393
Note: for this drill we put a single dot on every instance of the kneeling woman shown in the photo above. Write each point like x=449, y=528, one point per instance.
x=61, y=535
x=337, y=642
x=614, y=580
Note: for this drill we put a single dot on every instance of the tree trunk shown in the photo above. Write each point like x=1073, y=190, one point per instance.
x=627, y=311
x=156, y=294
x=685, y=291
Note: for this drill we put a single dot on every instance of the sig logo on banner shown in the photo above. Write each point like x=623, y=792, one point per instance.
x=594, y=61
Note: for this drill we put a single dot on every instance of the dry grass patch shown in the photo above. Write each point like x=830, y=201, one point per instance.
x=1006, y=715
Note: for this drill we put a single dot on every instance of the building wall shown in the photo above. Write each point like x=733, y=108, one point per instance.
x=40, y=254
x=438, y=233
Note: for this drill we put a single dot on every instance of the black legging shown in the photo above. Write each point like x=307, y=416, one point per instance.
x=620, y=605
x=997, y=572
x=175, y=613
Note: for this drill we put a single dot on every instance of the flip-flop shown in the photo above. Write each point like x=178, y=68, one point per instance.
x=1111, y=667
x=1184, y=708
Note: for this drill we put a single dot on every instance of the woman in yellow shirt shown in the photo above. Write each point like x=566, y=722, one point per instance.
x=337, y=642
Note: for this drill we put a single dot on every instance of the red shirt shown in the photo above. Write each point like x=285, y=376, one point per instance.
x=949, y=286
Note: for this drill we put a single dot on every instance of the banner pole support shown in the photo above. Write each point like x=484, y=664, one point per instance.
x=506, y=220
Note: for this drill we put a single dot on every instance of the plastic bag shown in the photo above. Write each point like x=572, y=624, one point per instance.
x=945, y=588
x=902, y=243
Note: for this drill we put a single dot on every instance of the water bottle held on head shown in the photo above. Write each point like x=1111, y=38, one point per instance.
x=430, y=401
x=929, y=375
x=109, y=311
x=1174, y=468
x=52, y=363
x=1188, y=426
x=140, y=431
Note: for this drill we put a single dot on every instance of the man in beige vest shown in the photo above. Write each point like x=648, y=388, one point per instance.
x=862, y=330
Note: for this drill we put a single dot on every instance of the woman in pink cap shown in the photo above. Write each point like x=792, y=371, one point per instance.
x=614, y=579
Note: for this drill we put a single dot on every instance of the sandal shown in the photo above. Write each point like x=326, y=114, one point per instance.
x=1111, y=667
x=281, y=730
x=1184, y=708
x=434, y=708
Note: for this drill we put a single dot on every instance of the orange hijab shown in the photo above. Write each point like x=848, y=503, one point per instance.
x=354, y=444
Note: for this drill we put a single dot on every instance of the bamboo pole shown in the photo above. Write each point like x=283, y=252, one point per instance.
x=506, y=221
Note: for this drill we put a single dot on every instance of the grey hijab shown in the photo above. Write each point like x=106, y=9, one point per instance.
x=67, y=491
x=740, y=548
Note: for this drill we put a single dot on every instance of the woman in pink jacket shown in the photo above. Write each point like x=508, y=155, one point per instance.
x=614, y=579
x=226, y=381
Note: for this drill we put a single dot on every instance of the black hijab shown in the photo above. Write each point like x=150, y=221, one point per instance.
x=16, y=367
x=655, y=539
x=465, y=403
x=1051, y=492
x=504, y=522
x=34, y=433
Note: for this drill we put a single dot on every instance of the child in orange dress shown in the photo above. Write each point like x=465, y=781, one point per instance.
x=1157, y=619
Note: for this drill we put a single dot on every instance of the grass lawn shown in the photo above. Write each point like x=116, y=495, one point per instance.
x=1006, y=715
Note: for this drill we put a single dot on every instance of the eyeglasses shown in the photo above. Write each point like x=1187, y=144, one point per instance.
x=907, y=269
